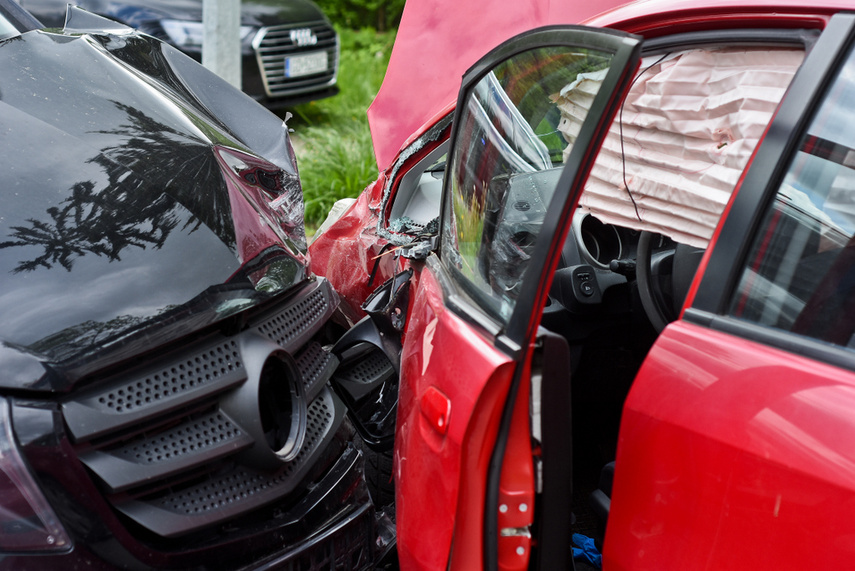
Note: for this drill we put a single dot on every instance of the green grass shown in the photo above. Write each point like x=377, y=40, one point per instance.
x=331, y=136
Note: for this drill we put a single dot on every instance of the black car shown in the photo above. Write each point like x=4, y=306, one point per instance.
x=168, y=389
x=290, y=51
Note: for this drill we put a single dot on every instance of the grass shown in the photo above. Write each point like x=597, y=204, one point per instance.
x=331, y=136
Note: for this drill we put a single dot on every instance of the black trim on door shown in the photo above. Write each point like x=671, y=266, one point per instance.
x=750, y=37
x=556, y=505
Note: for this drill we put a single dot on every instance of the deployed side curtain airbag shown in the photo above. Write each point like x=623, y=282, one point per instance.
x=684, y=136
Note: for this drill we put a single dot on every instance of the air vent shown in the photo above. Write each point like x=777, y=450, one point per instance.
x=210, y=365
x=300, y=320
x=202, y=370
x=316, y=367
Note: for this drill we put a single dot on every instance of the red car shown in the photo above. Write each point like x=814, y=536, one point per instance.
x=633, y=244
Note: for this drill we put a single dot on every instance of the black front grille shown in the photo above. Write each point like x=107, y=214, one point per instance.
x=372, y=368
x=199, y=371
x=227, y=490
x=161, y=452
x=315, y=362
x=274, y=44
x=162, y=447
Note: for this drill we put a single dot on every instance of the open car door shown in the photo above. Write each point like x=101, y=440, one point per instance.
x=474, y=469
x=736, y=440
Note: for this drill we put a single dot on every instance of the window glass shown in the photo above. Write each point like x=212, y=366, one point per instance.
x=507, y=161
x=7, y=29
x=800, y=274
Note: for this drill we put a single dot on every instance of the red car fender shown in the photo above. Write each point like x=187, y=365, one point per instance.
x=715, y=439
x=348, y=254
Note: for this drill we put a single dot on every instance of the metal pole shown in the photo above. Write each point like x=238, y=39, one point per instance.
x=221, y=39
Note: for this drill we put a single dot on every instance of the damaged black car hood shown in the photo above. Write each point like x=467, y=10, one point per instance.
x=131, y=216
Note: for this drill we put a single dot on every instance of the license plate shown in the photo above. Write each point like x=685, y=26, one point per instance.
x=305, y=64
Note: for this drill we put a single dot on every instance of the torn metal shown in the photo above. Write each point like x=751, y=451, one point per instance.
x=275, y=194
x=401, y=232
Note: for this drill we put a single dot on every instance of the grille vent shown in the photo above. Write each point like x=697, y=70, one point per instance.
x=214, y=429
x=316, y=366
x=160, y=453
x=163, y=449
x=218, y=493
x=203, y=370
x=296, y=319
x=242, y=483
x=205, y=367
x=229, y=490
x=369, y=369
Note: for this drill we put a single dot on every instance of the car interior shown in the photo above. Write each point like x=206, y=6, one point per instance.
x=663, y=177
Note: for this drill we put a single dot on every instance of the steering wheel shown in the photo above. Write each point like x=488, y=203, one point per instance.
x=664, y=277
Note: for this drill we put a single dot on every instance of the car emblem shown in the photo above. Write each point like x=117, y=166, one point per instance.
x=303, y=37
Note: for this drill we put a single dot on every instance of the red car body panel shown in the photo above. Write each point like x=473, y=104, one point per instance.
x=733, y=454
x=717, y=431
x=445, y=462
x=657, y=17
x=349, y=252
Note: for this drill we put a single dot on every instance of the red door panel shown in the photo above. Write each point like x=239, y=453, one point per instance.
x=465, y=482
x=438, y=472
x=733, y=455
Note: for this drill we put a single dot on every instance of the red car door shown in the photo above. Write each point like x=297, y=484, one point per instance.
x=466, y=470
x=737, y=442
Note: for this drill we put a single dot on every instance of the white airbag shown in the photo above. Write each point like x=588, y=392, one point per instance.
x=682, y=139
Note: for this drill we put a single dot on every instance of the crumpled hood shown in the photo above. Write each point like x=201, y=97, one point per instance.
x=437, y=41
x=128, y=211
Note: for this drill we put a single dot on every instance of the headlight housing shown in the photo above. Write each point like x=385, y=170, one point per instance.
x=27, y=522
x=187, y=34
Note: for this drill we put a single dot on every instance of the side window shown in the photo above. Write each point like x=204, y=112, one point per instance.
x=800, y=272
x=508, y=157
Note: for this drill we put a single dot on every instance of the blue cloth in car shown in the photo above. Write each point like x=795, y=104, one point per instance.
x=585, y=549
